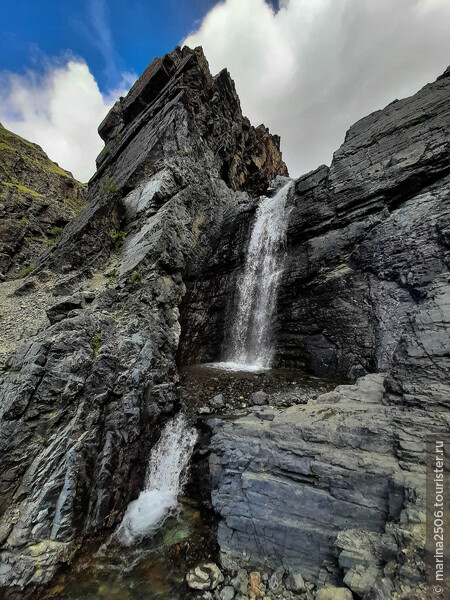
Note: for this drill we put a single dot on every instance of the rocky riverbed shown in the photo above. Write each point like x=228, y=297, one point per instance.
x=211, y=389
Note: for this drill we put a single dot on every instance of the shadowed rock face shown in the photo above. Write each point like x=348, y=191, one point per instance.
x=37, y=199
x=83, y=401
x=335, y=489
x=367, y=236
x=331, y=488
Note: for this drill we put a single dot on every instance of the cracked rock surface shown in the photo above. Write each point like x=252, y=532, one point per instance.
x=83, y=400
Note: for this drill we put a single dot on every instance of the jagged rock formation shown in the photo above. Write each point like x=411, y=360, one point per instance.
x=82, y=402
x=367, y=236
x=37, y=199
x=331, y=489
x=335, y=489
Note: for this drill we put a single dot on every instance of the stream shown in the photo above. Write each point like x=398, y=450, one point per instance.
x=170, y=528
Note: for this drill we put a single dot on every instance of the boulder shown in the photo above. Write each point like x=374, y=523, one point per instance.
x=294, y=583
x=259, y=398
x=61, y=309
x=334, y=593
x=204, y=577
x=227, y=593
x=240, y=582
x=276, y=579
x=217, y=402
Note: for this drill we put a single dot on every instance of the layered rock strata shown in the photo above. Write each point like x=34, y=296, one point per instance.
x=335, y=489
x=367, y=236
x=82, y=401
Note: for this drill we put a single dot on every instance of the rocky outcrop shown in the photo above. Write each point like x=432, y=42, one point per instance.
x=37, y=199
x=82, y=402
x=367, y=236
x=331, y=490
x=335, y=489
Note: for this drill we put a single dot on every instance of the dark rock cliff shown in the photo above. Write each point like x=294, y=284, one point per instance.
x=37, y=199
x=367, y=236
x=82, y=401
x=333, y=488
x=336, y=489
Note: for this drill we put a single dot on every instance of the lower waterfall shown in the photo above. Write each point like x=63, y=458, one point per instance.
x=251, y=344
x=165, y=477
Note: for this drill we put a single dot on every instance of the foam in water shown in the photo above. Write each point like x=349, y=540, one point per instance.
x=251, y=345
x=236, y=367
x=165, y=477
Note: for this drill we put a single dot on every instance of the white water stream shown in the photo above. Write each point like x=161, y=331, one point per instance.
x=251, y=345
x=165, y=477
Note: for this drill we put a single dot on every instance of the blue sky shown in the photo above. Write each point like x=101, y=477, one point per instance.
x=111, y=36
x=307, y=69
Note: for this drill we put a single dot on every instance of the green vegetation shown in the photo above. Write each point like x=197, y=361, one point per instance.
x=112, y=275
x=136, y=279
x=95, y=343
x=414, y=122
x=76, y=206
x=32, y=155
x=26, y=271
x=117, y=238
x=109, y=187
x=21, y=188
x=56, y=231
x=182, y=152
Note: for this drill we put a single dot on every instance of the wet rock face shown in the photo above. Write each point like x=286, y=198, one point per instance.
x=367, y=236
x=82, y=402
x=335, y=489
x=37, y=199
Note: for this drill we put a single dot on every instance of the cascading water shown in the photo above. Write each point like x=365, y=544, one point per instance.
x=165, y=477
x=251, y=342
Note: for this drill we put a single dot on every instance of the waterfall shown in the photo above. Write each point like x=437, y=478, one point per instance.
x=251, y=344
x=165, y=477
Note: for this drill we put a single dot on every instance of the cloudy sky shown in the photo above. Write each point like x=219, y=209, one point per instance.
x=308, y=69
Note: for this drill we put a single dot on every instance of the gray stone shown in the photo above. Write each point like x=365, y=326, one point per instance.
x=334, y=593
x=227, y=593
x=240, y=582
x=217, y=402
x=295, y=583
x=259, y=398
x=61, y=309
x=361, y=580
x=276, y=579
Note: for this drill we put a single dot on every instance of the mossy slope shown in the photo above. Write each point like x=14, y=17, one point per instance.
x=37, y=198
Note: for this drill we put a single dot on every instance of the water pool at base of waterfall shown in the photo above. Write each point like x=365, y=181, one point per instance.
x=153, y=569
x=201, y=382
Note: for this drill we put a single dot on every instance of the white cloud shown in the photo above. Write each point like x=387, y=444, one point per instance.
x=313, y=68
x=60, y=111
